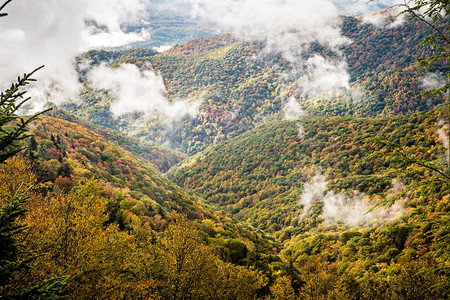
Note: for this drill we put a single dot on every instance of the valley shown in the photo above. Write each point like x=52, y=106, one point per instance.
x=225, y=167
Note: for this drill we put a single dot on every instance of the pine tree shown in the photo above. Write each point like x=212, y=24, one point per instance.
x=13, y=127
x=13, y=256
x=10, y=248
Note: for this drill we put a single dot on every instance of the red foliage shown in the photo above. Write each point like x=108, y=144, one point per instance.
x=53, y=152
x=63, y=184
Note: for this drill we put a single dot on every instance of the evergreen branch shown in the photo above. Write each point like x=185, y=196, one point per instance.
x=13, y=128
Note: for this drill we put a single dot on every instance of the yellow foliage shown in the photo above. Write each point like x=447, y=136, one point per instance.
x=282, y=289
x=13, y=174
x=70, y=230
x=190, y=270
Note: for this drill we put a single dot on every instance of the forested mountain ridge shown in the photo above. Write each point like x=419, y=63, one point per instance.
x=63, y=153
x=241, y=88
x=159, y=157
x=260, y=175
x=275, y=190
x=99, y=220
x=317, y=190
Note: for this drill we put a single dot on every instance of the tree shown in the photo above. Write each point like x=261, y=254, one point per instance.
x=432, y=13
x=13, y=127
x=75, y=240
x=188, y=266
x=10, y=248
x=189, y=269
x=14, y=255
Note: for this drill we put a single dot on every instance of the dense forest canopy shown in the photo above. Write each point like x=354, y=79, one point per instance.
x=240, y=88
x=289, y=163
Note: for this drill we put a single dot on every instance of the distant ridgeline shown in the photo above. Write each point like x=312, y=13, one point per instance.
x=241, y=88
x=251, y=206
x=169, y=27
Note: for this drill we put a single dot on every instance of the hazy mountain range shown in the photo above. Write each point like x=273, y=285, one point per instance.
x=283, y=150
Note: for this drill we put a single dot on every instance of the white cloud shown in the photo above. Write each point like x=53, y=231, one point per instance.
x=289, y=27
x=312, y=191
x=293, y=110
x=388, y=18
x=54, y=32
x=443, y=131
x=301, y=130
x=351, y=210
x=163, y=48
x=361, y=7
x=139, y=92
x=323, y=76
x=433, y=81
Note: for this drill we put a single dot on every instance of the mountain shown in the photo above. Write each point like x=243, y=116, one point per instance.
x=159, y=157
x=348, y=209
x=171, y=24
x=269, y=191
x=113, y=226
x=174, y=22
x=64, y=152
x=88, y=190
x=259, y=176
x=241, y=88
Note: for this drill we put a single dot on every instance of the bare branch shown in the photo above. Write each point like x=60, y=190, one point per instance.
x=421, y=18
x=3, y=6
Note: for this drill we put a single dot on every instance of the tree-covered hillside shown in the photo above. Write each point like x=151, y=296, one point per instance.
x=260, y=175
x=98, y=221
x=62, y=154
x=159, y=157
x=316, y=186
x=227, y=167
x=241, y=88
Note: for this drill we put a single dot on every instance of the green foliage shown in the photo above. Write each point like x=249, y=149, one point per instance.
x=260, y=175
x=13, y=127
x=10, y=248
x=239, y=91
x=433, y=13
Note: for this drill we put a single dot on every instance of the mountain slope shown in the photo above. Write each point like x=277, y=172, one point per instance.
x=64, y=154
x=241, y=88
x=313, y=185
x=161, y=158
x=116, y=228
x=260, y=176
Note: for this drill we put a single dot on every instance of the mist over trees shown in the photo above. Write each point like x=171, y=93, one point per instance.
x=279, y=194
